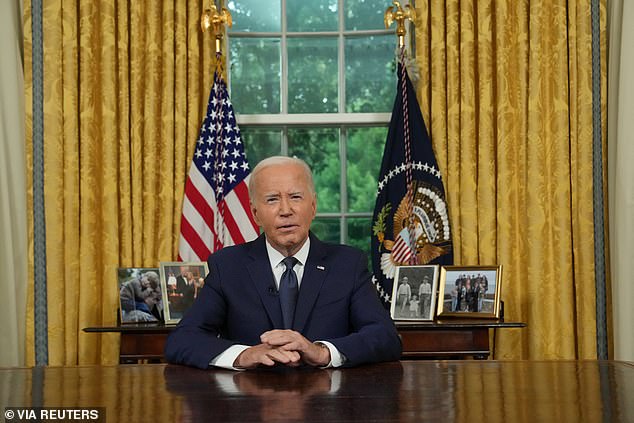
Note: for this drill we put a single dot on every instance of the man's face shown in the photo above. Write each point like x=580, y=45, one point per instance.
x=284, y=206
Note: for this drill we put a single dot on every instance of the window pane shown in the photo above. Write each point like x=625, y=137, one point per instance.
x=312, y=15
x=327, y=229
x=364, y=155
x=359, y=233
x=255, y=15
x=312, y=75
x=261, y=143
x=255, y=75
x=320, y=149
x=365, y=14
x=370, y=74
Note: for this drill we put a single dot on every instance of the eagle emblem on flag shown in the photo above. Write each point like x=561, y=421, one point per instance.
x=430, y=238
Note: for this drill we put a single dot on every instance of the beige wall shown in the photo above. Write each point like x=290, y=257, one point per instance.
x=13, y=258
x=621, y=173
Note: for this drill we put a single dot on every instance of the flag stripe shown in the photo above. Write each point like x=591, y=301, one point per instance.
x=231, y=233
x=200, y=209
x=197, y=246
x=185, y=251
x=193, y=217
x=242, y=192
x=235, y=201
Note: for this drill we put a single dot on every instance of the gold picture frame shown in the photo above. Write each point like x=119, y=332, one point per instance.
x=181, y=282
x=470, y=291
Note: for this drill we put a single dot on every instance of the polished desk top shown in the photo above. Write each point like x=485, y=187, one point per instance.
x=406, y=391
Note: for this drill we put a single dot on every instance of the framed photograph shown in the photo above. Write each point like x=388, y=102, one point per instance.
x=181, y=282
x=140, y=296
x=414, y=293
x=470, y=291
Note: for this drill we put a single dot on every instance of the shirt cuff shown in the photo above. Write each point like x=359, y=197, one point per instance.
x=336, y=358
x=226, y=358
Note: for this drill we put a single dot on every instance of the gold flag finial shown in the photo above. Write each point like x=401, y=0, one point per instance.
x=211, y=17
x=399, y=14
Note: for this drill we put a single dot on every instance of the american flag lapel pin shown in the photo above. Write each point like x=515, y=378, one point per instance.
x=321, y=268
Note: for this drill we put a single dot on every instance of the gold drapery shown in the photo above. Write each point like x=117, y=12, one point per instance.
x=125, y=89
x=506, y=88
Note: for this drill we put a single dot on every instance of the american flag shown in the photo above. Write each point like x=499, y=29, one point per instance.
x=216, y=209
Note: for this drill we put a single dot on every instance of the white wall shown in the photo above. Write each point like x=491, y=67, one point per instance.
x=621, y=172
x=13, y=244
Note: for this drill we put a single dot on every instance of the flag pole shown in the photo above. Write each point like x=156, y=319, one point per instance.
x=216, y=197
x=411, y=219
x=397, y=13
x=212, y=18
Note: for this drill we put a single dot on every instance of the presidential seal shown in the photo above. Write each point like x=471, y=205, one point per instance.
x=420, y=231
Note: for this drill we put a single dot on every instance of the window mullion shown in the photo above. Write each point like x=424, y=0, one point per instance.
x=342, y=59
x=285, y=140
x=284, y=64
x=343, y=182
x=343, y=131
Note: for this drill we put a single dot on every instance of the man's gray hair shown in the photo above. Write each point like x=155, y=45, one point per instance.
x=280, y=160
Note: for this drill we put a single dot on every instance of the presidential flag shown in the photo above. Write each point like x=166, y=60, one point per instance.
x=216, y=210
x=410, y=225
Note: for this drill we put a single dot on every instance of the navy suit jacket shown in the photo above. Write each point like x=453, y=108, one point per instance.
x=239, y=301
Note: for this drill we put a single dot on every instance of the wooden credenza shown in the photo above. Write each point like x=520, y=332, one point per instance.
x=440, y=339
x=450, y=338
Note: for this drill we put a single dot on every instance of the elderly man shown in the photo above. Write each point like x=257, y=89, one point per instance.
x=285, y=298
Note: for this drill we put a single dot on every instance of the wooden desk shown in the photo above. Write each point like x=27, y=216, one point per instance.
x=449, y=338
x=139, y=341
x=409, y=391
x=455, y=338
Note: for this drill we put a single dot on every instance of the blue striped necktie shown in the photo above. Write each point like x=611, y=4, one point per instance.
x=288, y=291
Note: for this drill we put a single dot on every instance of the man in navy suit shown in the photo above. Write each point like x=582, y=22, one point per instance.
x=238, y=320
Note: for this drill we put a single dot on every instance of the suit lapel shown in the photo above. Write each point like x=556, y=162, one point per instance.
x=262, y=277
x=315, y=272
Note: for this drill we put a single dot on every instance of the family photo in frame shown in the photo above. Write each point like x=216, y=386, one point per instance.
x=140, y=296
x=181, y=283
x=414, y=293
x=470, y=291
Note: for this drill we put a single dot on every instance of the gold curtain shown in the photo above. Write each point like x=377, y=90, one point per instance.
x=125, y=89
x=506, y=88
